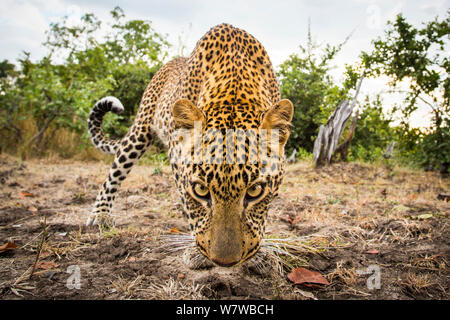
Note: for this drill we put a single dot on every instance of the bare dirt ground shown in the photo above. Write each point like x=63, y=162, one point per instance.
x=349, y=216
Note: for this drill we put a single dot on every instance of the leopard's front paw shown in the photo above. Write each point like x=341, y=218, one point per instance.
x=102, y=219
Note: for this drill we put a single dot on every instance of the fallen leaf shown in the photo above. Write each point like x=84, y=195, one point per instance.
x=33, y=209
x=307, y=277
x=312, y=285
x=46, y=265
x=174, y=230
x=132, y=259
x=8, y=246
x=24, y=194
x=372, y=251
x=413, y=196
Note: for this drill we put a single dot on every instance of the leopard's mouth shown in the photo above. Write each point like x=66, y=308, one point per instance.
x=247, y=254
x=196, y=257
x=264, y=260
x=245, y=257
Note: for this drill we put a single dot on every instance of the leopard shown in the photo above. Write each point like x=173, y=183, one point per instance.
x=227, y=92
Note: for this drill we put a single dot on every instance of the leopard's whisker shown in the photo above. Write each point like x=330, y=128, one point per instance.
x=171, y=238
x=279, y=251
x=291, y=243
x=290, y=246
x=179, y=243
x=178, y=248
x=177, y=240
x=302, y=238
x=178, y=237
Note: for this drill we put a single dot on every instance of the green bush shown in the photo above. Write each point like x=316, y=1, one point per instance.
x=54, y=96
x=373, y=132
x=305, y=80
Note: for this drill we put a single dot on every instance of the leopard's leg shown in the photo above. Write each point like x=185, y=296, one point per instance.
x=131, y=148
x=127, y=152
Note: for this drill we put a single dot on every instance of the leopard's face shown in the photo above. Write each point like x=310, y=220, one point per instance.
x=227, y=208
x=226, y=198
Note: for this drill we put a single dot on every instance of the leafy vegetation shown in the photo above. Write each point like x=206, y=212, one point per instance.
x=417, y=57
x=373, y=132
x=45, y=103
x=305, y=80
x=420, y=58
x=58, y=91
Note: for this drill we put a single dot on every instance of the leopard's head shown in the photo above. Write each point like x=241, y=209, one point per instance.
x=228, y=176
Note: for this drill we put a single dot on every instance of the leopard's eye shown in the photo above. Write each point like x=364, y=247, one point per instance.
x=200, y=190
x=254, y=191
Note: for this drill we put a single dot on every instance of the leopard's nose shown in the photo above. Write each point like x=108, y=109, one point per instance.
x=226, y=248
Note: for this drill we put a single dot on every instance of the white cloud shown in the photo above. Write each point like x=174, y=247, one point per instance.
x=281, y=26
x=23, y=26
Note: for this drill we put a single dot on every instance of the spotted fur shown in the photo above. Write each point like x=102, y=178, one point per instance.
x=228, y=82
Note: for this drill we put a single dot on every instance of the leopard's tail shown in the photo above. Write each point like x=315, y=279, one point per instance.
x=95, y=123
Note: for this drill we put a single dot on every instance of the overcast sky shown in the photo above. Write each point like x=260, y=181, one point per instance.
x=280, y=25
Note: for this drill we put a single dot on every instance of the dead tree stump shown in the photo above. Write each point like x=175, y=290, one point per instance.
x=342, y=150
x=390, y=148
x=291, y=159
x=328, y=138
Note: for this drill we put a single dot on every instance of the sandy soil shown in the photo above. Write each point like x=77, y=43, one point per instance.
x=348, y=217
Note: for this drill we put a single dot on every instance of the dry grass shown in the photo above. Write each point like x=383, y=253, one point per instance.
x=347, y=276
x=417, y=282
x=325, y=220
x=175, y=290
x=125, y=287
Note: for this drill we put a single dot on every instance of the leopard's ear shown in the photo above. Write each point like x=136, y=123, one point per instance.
x=185, y=114
x=279, y=117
